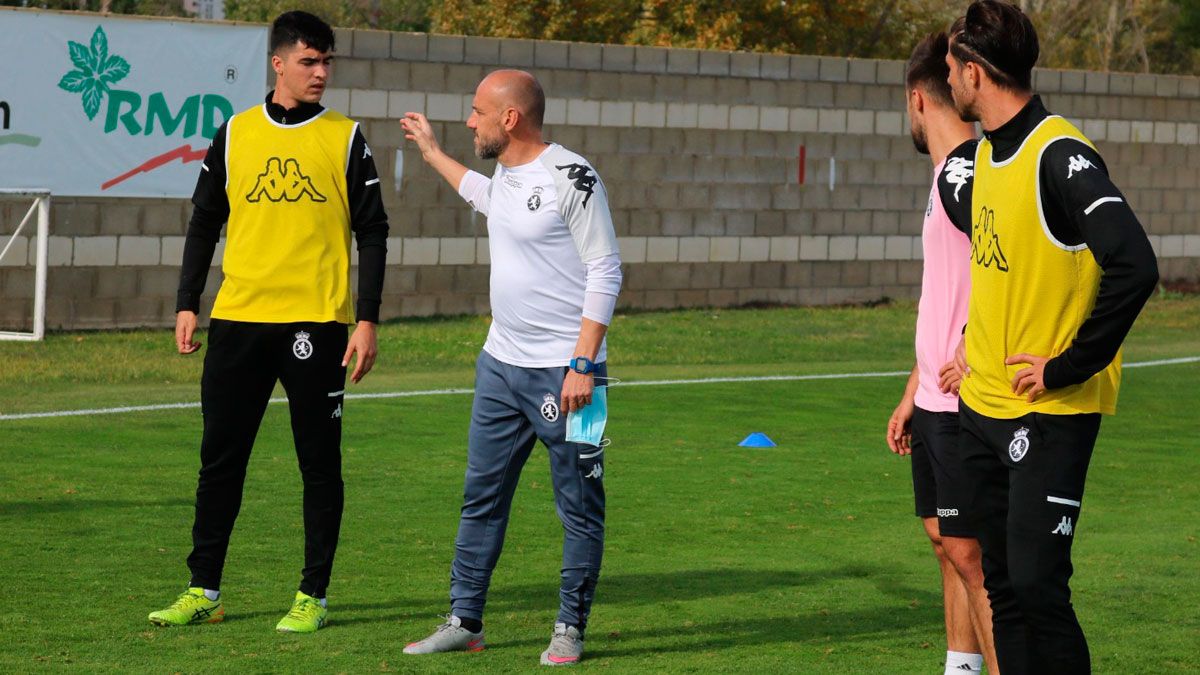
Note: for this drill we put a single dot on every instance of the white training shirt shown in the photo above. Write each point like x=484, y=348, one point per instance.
x=551, y=239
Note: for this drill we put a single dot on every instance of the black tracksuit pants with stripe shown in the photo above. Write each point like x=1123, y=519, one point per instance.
x=243, y=362
x=1027, y=476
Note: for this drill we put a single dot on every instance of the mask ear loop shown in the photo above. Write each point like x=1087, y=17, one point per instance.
x=605, y=442
x=610, y=380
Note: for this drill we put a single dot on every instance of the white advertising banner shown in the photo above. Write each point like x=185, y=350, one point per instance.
x=109, y=106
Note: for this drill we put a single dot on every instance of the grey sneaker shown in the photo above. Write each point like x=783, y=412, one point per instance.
x=566, y=647
x=449, y=637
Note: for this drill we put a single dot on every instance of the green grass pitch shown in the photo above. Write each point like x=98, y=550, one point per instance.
x=801, y=558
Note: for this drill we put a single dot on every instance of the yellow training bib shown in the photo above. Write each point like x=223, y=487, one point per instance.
x=287, y=249
x=1029, y=292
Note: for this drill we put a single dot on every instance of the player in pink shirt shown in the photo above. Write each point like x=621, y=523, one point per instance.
x=925, y=424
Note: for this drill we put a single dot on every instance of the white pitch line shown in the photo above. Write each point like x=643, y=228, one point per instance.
x=449, y=392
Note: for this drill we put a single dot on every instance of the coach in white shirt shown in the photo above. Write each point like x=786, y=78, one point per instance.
x=555, y=277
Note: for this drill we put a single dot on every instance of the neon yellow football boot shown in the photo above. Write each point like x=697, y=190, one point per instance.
x=306, y=616
x=189, y=608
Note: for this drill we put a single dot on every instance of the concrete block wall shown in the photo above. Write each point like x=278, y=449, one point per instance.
x=700, y=154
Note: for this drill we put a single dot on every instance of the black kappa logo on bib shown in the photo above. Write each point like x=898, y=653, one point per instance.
x=283, y=180
x=985, y=245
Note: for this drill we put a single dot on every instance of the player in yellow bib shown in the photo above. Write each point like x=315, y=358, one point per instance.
x=1060, y=269
x=293, y=180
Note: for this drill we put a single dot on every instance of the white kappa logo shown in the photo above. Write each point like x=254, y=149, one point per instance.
x=337, y=412
x=958, y=171
x=1078, y=163
x=1019, y=445
x=302, y=348
x=597, y=472
x=1064, y=527
x=549, y=408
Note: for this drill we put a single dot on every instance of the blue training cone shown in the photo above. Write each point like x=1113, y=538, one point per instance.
x=757, y=440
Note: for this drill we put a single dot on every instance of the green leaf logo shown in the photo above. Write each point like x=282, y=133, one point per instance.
x=94, y=70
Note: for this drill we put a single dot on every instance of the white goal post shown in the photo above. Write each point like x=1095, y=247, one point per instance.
x=41, y=206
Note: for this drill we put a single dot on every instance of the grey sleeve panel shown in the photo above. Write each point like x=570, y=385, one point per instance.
x=583, y=203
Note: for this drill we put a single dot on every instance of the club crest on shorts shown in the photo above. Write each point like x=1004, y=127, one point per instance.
x=1019, y=445
x=549, y=408
x=302, y=348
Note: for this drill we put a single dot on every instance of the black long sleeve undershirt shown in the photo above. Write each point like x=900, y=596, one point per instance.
x=368, y=220
x=1082, y=207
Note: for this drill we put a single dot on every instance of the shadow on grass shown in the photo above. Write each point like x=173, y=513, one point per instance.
x=832, y=627
x=620, y=589
x=39, y=507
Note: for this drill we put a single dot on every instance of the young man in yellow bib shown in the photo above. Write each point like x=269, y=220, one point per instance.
x=1060, y=269
x=293, y=180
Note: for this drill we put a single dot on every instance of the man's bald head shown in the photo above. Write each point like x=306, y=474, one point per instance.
x=519, y=90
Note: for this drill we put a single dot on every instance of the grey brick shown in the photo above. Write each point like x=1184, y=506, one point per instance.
x=744, y=64
x=819, y=94
x=849, y=95
x=743, y=117
x=763, y=92
x=683, y=61
x=372, y=44
x=651, y=60
x=773, y=118
x=343, y=40
x=1189, y=87
x=1167, y=86
x=616, y=113
x=832, y=121
x=353, y=74
x=462, y=79
x=388, y=74
x=1120, y=83
x=1073, y=81
x=551, y=54
x=862, y=71
x=120, y=218
x=714, y=63
x=618, y=57
x=834, y=69
x=482, y=50
x=95, y=251
x=427, y=76
x=804, y=67
x=775, y=66
x=1047, y=81
x=1096, y=83
x=889, y=72
x=1145, y=84
x=585, y=56
x=516, y=53
x=803, y=120
x=446, y=48
x=860, y=122
x=410, y=46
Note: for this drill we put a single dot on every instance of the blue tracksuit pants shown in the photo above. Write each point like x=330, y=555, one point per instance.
x=513, y=408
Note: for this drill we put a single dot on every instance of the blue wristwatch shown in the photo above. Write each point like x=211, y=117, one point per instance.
x=582, y=365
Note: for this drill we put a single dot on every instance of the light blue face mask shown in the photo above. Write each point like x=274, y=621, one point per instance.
x=587, y=424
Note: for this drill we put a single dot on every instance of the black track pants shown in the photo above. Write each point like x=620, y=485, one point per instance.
x=1028, y=476
x=243, y=362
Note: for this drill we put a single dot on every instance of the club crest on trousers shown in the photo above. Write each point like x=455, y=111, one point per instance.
x=549, y=408
x=1019, y=445
x=302, y=348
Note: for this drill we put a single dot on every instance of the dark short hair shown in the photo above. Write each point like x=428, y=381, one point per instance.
x=291, y=28
x=1000, y=39
x=928, y=70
